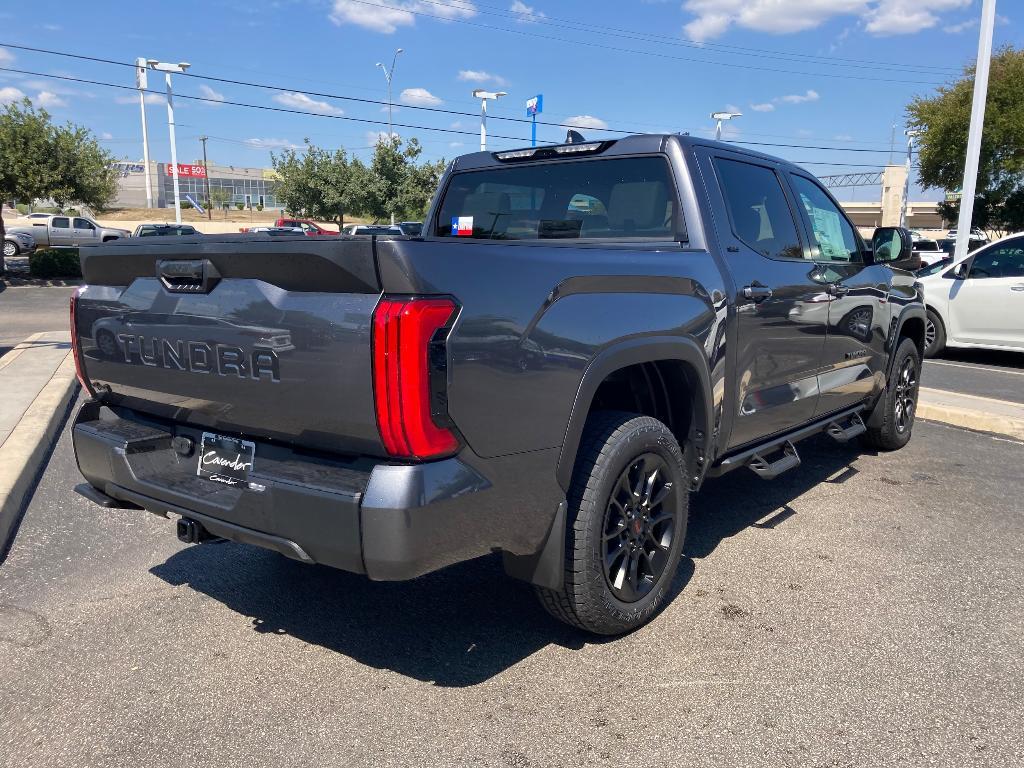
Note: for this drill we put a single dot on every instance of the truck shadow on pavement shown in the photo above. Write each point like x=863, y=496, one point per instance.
x=467, y=623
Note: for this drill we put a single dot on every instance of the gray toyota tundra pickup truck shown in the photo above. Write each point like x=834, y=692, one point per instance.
x=579, y=337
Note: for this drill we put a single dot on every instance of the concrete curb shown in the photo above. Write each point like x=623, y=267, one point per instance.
x=27, y=447
x=983, y=414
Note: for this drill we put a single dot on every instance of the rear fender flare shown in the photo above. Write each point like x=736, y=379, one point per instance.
x=646, y=349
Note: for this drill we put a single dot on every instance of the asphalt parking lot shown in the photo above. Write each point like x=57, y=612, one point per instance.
x=998, y=375
x=29, y=309
x=861, y=610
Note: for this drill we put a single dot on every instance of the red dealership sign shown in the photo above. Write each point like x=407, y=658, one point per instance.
x=197, y=171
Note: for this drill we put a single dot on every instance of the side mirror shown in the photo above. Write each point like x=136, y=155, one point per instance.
x=894, y=246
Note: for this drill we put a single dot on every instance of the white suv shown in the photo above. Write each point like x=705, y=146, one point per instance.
x=977, y=302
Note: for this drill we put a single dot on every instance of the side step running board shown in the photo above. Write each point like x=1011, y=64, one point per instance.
x=769, y=470
x=842, y=434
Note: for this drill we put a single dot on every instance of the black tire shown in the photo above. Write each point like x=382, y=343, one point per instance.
x=11, y=249
x=106, y=343
x=934, y=335
x=606, y=534
x=898, y=402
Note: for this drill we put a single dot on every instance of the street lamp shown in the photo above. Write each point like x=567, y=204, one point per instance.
x=910, y=134
x=484, y=97
x=142, y=85
x=722, y=117
x=388, y=73
x=168, y=70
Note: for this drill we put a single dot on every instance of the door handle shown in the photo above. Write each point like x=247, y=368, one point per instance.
x=757, y=292
x=1017, y=287
x=837, y=289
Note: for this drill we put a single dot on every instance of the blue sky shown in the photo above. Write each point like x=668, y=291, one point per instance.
x=831, y=73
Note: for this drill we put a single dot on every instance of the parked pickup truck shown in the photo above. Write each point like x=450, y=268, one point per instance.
x=69, y=231
x=308, y=227
x=581, y=336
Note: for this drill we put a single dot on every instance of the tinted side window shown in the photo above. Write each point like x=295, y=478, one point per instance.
x=59, y=222
x=83, y=224
x=617, y=199
x=833, y=234
x=760, y=214
x=1001, y=261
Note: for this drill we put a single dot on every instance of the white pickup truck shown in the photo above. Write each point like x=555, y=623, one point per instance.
x=69, y=231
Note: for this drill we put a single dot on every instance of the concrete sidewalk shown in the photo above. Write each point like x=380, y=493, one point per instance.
x=37, y=384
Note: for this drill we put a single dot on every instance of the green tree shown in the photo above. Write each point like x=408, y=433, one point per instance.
x=320, y=184
x=39, y=159
x=944, y=119
x=400, y=186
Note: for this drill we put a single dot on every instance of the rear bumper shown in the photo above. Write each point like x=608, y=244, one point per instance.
x=388, y=521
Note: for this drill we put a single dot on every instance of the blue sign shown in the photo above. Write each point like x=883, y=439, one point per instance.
x=195, y=205
x=535, y=105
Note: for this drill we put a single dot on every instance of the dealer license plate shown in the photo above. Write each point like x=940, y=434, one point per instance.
x=226, y=460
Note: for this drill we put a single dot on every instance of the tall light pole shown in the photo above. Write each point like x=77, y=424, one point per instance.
x=141, y=83
x=906, y=182
x=963, y=230
x=484, y=97
x=206, y=165
x=721, y=117
x=168, y=70
x=388, y=74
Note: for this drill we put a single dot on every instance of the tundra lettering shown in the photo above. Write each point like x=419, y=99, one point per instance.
x=200, y=358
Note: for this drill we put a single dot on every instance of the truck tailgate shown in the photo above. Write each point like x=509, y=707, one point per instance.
x=238, y=334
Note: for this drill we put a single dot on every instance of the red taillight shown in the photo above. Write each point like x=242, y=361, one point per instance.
x=402, y=334
x=76, y=348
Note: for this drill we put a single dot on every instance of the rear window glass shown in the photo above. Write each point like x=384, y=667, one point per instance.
x=620, y=199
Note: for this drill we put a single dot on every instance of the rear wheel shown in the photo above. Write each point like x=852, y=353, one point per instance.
x=934, y=335
x=628, y=512
x=106, y=343
x=11, y=248
x=899, y=401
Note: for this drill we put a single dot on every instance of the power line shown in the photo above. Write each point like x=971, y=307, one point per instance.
x=377, y=102
x=562, y=40
x=707, y=46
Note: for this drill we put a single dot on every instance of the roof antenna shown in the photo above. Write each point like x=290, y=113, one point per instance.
x=574, y=137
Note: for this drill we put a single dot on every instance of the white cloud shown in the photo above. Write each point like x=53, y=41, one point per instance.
x=106, y=136
x=457, y=124
x=585, y=121
x=526, y=14
x=905, y=17
x=301, y=101
x=804, y=133
x=479, y=76
x=208, y=93
x=456, y=144
x=271, y=144
x=151, y=99
x=373, y=138
x=10, y=95
x=419, y=97
x=386, y=16
x=765, y=107
x=6, y=57
x=843, y=137
x=49, y=100
x=799, y=98
x=712, y=18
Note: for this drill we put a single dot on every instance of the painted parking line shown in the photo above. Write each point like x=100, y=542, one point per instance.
x=989, y=368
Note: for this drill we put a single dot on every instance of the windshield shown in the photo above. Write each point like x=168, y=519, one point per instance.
x=619, y=199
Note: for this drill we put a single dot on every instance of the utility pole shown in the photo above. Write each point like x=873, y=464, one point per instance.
x=963, y=231
x=484, y=97
x=892, y=142
x=388, y=74
x=141, y=83
x=206, y=165
x=906, y=182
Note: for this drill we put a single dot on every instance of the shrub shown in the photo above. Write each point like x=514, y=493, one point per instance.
x=240, y=206
x=185, y=204
x=259, y=207
x=55, y=262
x=22, y=208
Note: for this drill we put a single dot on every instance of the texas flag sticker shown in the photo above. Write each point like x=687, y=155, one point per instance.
x=462, y=226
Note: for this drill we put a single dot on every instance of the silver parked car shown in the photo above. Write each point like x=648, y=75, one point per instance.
x=18, y=243
x=69, y=231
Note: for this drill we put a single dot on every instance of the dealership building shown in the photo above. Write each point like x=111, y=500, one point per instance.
x=248, y=186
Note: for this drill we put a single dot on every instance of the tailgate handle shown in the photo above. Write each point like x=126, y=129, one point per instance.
x=187, y=276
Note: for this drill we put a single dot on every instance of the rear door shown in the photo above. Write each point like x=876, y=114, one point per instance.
x=781, y=309
x=61, y=232
x=859, y=310
x=988, y=307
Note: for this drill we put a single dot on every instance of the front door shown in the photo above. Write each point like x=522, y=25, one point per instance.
x=987, y=307
x=859, y=303
x=85, y=231
x=781, y=311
